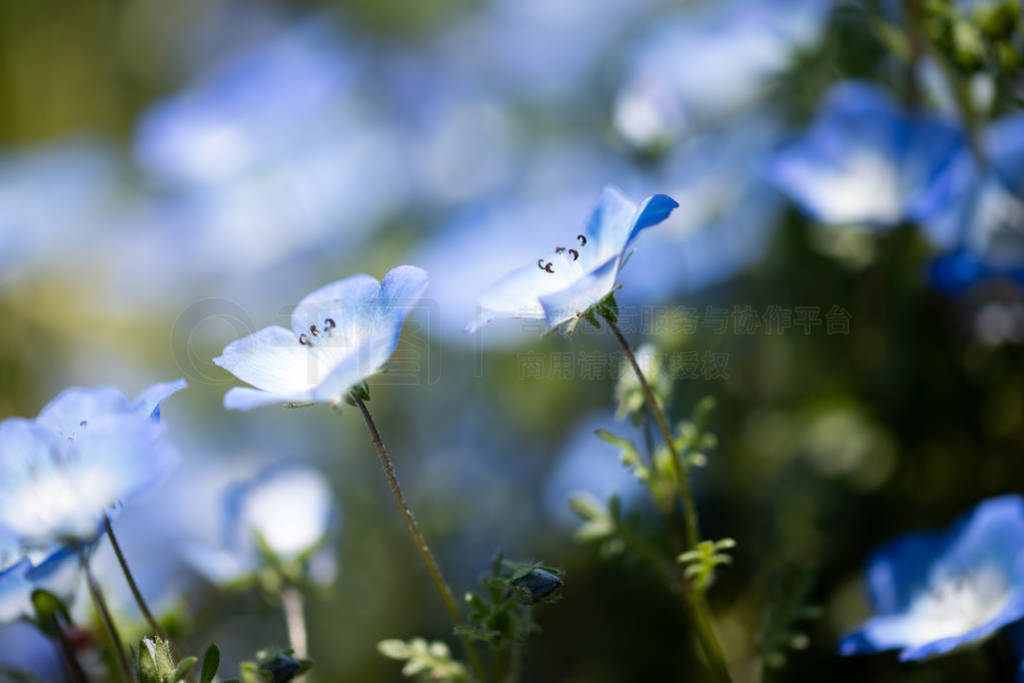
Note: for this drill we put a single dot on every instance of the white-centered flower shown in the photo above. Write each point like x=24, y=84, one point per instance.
x=563, y=285
x=341, y=334
x=88, y=451
x=285, y=509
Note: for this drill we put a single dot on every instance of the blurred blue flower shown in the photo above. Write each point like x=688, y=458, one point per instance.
x=34, y=229
x=341, y=334
x=269, y=153
x=936, y=591
x=570, y=280
x=89, y=451
x=586, y=465
x=286, y=510
x=710, y=63
x=982, y=223
x=56, y=571
x=726, y=218
x=866, y=161
x=254, y=106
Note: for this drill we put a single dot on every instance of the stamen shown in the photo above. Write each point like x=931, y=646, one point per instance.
x=546, y=267
x=304, y=340
x=575, y=254
x=83, y=423
x=583, y=239
x=329, y=324
x=312, y=328
x=559, y=250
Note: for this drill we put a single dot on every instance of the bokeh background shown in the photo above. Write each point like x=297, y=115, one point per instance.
x=175, y=175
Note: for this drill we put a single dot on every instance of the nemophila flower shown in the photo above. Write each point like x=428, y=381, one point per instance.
x=284, y=514
x=709, y=63
x=936, y=591
x=563, y=285
x=866, y=161
x=982, y=223
x=341, y=334
x=269, y=153
x=89, y=451
x=497, y=234
x=37, y=231
x=56, y=571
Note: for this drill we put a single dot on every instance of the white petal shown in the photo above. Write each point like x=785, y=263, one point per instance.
x=584, y=293
x=271, y=360
x=350, y=303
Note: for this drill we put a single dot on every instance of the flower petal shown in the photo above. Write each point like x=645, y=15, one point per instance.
x=610, y=224
x=65, y=413
x=147, y=403
x=271, y=360
x=350, y=303
x=245, y=398
x=357, y=365
x=586, y=292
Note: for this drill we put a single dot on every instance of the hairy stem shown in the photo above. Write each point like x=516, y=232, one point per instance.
x=108, y=620
x=681, y=468
x=418, y=540
x=137, y=594
x=699, y=610
x=291, y=600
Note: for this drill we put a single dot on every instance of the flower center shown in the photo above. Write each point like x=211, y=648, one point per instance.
x=570, y=255
x=317, y=333
x=956, y=604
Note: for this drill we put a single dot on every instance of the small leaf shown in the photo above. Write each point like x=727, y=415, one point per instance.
x=211, y=662
x=184, y=666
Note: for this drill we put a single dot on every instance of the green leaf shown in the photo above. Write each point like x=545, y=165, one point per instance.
x=184, y=666
x=211, y=662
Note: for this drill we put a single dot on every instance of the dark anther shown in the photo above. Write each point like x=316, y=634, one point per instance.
x=304, y=340
x=548, y=267
x=559, y=250
x=329, y=324
x=575, y=254
x=583, y=239
x=312, y=328
x=83, y=423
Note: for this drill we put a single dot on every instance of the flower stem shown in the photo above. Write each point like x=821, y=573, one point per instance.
x=67, y=649
x=681, y=468
x=108, y=620
x=137, y=594
x=695, y=600
x=418, y=539
x=292, y=601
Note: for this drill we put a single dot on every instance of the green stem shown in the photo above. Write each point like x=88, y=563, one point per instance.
x=137, y=594
x=699, y=609
x=108, y=620
x=681, y=468
x=67, y=649
x=501, y=664
x=918, y=36
x=418, y=540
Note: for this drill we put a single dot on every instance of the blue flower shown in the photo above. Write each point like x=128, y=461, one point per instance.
x=286, y=510
x=866, y=161
x=563, y=285
x=56, y=571
x=88, y=451
x=708, y=64
x=981, y=223
x=936, y=591
x=341, y=334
